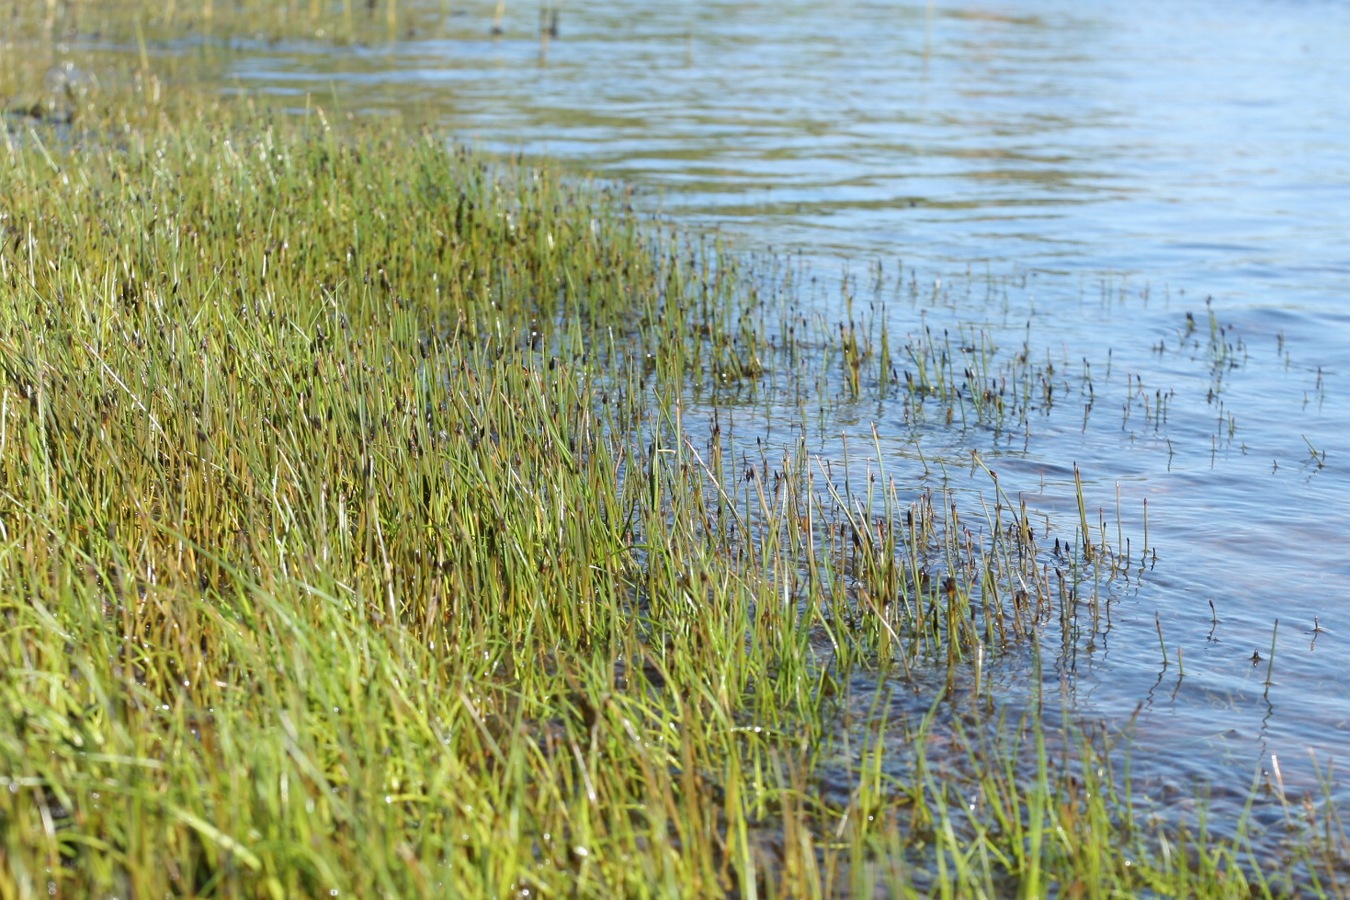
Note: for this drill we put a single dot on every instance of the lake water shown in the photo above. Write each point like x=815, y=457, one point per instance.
x=1077, y=176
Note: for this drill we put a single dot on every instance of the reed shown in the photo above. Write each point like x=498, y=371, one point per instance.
x=375, y=521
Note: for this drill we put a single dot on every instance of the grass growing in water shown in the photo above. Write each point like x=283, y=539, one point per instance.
x=355, y=539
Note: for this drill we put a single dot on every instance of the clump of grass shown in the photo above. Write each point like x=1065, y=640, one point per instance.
x=361, y=532
x=344, y=21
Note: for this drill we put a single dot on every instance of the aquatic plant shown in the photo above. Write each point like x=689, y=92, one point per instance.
x=379, y=518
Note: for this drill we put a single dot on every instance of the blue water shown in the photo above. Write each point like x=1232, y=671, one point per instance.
x=1078, y=176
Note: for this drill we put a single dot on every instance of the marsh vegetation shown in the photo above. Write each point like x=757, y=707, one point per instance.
x=379, y=518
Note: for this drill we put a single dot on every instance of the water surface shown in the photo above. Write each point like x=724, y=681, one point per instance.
x=1099, y=171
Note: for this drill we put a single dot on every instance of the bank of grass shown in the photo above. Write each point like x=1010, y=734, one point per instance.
x=338, y=22
x=355, y=539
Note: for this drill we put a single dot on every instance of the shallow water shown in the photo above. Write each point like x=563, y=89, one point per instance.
x=1097, y=171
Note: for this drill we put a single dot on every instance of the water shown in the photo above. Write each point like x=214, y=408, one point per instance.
x=1097, y=171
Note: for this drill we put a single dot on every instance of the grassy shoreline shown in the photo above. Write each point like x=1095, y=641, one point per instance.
x=356, y=539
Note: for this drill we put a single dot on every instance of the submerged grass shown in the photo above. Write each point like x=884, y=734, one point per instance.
x=357, y=537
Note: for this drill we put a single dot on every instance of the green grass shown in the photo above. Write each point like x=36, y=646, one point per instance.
x=338, y=21
x=369, y=525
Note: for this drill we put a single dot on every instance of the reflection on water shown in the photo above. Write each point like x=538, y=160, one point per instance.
x=1078, y=177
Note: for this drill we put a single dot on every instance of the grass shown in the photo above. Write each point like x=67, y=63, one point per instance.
x=335, y=21
x=373, y=522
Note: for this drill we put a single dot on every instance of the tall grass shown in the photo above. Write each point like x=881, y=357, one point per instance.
x=340, y=21
x=368, y=525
